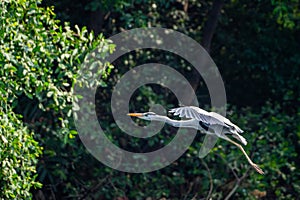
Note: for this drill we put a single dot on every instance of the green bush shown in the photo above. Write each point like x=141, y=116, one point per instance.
x=39, y=61
x=18, y=157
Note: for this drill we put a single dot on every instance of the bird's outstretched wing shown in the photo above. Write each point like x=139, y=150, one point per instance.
x=210, y=118
x=200, y=115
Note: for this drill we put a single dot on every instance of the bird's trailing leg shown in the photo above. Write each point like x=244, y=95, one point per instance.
x=255, y=166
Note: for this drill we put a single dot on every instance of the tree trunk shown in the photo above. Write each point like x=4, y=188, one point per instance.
x=208, y=32
x=211, y=24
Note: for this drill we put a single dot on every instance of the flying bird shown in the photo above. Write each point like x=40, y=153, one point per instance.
x=207, y=122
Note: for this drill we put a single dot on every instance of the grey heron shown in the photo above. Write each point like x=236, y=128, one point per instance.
x=207, y=122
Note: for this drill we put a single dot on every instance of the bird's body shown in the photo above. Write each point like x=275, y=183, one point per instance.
x=211, y=122
x=207, y=122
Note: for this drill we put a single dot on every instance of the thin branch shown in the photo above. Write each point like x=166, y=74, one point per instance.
x=94, y=188
x=195, y=196
x=238, y=182
x=210, y=180
x=238, y=179
x=189, y=190
x=115, y=188
x=52, y=194
x=232, y=170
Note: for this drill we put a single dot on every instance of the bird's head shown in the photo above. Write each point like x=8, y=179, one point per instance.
x=145, y=116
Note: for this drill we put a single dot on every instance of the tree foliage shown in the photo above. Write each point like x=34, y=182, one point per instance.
x=19, y=153
x=39, y=62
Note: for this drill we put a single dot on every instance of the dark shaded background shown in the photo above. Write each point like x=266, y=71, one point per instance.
x=255, y=45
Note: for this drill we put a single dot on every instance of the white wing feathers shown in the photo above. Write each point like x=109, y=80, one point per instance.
x=199, y=114
x=210, y=118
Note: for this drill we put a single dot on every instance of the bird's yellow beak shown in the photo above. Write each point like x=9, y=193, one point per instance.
x=135, y=114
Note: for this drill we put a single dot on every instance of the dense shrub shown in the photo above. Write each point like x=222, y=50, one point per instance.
x=39, y=60
x=18, y=158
